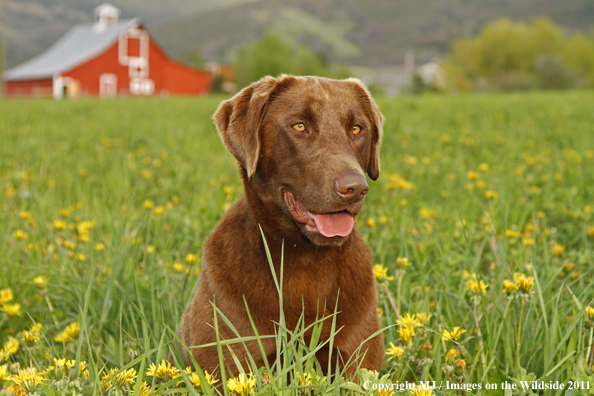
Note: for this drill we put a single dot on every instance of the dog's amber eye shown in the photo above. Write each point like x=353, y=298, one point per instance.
x=299, y=127
x=356, y=129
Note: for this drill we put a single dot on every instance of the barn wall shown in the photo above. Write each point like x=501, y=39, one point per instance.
x=29, y=88
x=169, y=77
x=88, y=73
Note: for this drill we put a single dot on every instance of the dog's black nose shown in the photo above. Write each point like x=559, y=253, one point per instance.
x=351, y=187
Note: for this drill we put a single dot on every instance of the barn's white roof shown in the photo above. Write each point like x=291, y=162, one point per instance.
x=79, y=45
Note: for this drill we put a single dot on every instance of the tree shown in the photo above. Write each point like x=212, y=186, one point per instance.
x=509, y=55
x=273, y=56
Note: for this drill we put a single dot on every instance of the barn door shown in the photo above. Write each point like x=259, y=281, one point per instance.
x=133, y=52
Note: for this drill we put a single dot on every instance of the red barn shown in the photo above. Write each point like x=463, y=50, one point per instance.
x=108, y=58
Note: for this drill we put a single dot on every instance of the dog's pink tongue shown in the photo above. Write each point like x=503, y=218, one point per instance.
x=335, y=224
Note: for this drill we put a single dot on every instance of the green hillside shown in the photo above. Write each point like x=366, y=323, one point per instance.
x=370, y=33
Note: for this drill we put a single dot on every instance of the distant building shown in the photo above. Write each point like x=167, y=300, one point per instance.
x=108, y=58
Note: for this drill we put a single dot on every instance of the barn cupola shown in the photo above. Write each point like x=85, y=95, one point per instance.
x=105, y=15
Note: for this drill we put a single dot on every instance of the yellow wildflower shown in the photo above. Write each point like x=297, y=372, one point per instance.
x=195, y=379
x=40, y=281
x=158, y=211
x=4, y=374
x=423, y=318
x=421, y=390
x=20, y=234
x=371, y=222
x=590, y=312
x=508, y=286
x=70, y=332
x=148, y=204
x=524, y=283
x=512, y=234
x=591, y=232
x=25, y=215
x=26, y=381
x=406, y=333
x=179, y=267
x=242, y=384
x=150, y=249
x=99, y=247
x=121, y=378
x=30, y=336
x=380, y=272
x=453, y=335
x=527, y=241
x=191, y=258
x=395, y=352
x=6, y=295
x=11, y=346
x=477, y=286
x=59, y=225
x=11, y=309
x=568, y=266
x=163, y=370
x=145, y=389
x=484, y=167
x=36, y=328
x=403, y=262
x=472, y=175
x=557, y=250
x=452, y=354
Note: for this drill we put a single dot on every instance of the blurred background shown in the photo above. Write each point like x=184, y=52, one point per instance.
x=396, y=47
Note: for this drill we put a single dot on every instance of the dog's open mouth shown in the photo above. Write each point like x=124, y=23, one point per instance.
x=328, y=224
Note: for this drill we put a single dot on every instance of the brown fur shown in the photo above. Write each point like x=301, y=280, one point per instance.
x=256, y=127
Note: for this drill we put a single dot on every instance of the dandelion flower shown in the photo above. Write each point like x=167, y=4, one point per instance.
x=59, y=225
x=40, y=281
x=158, y=211
x=524, y=283
x=371, y=222
x=512, y=234
x=70, y=332
x=591, y=232
x=395, y=352
x=590, y=312
x=471, y=175
x=380, y=272
x=6, y=295
x=191, y=258
x=11, y=346
x=242, y=384
x=30, y=336
x=11, y=309
x=26, y=381
x=508, y=286
x=163, y=370
x=20, y=235
x=421, y=390
x=36, y=328
x=99, y=247
x=477, y=286
x=148, y=204
x=403, y=262
x=150, y=249
x=557, y=250
x=453, y=335
x=195, y=379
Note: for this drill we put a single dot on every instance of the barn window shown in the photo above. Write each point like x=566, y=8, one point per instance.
x=108, y=85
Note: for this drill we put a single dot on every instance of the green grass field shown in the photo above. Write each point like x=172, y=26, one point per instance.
x=483, y=218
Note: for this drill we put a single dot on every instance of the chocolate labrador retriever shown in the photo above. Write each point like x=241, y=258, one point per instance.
x=303, y=145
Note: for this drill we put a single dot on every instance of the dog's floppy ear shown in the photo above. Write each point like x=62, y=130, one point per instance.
x=239, y=119
x=377, y=120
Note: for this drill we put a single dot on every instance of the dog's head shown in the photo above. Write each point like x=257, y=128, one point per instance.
x=306, y=142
